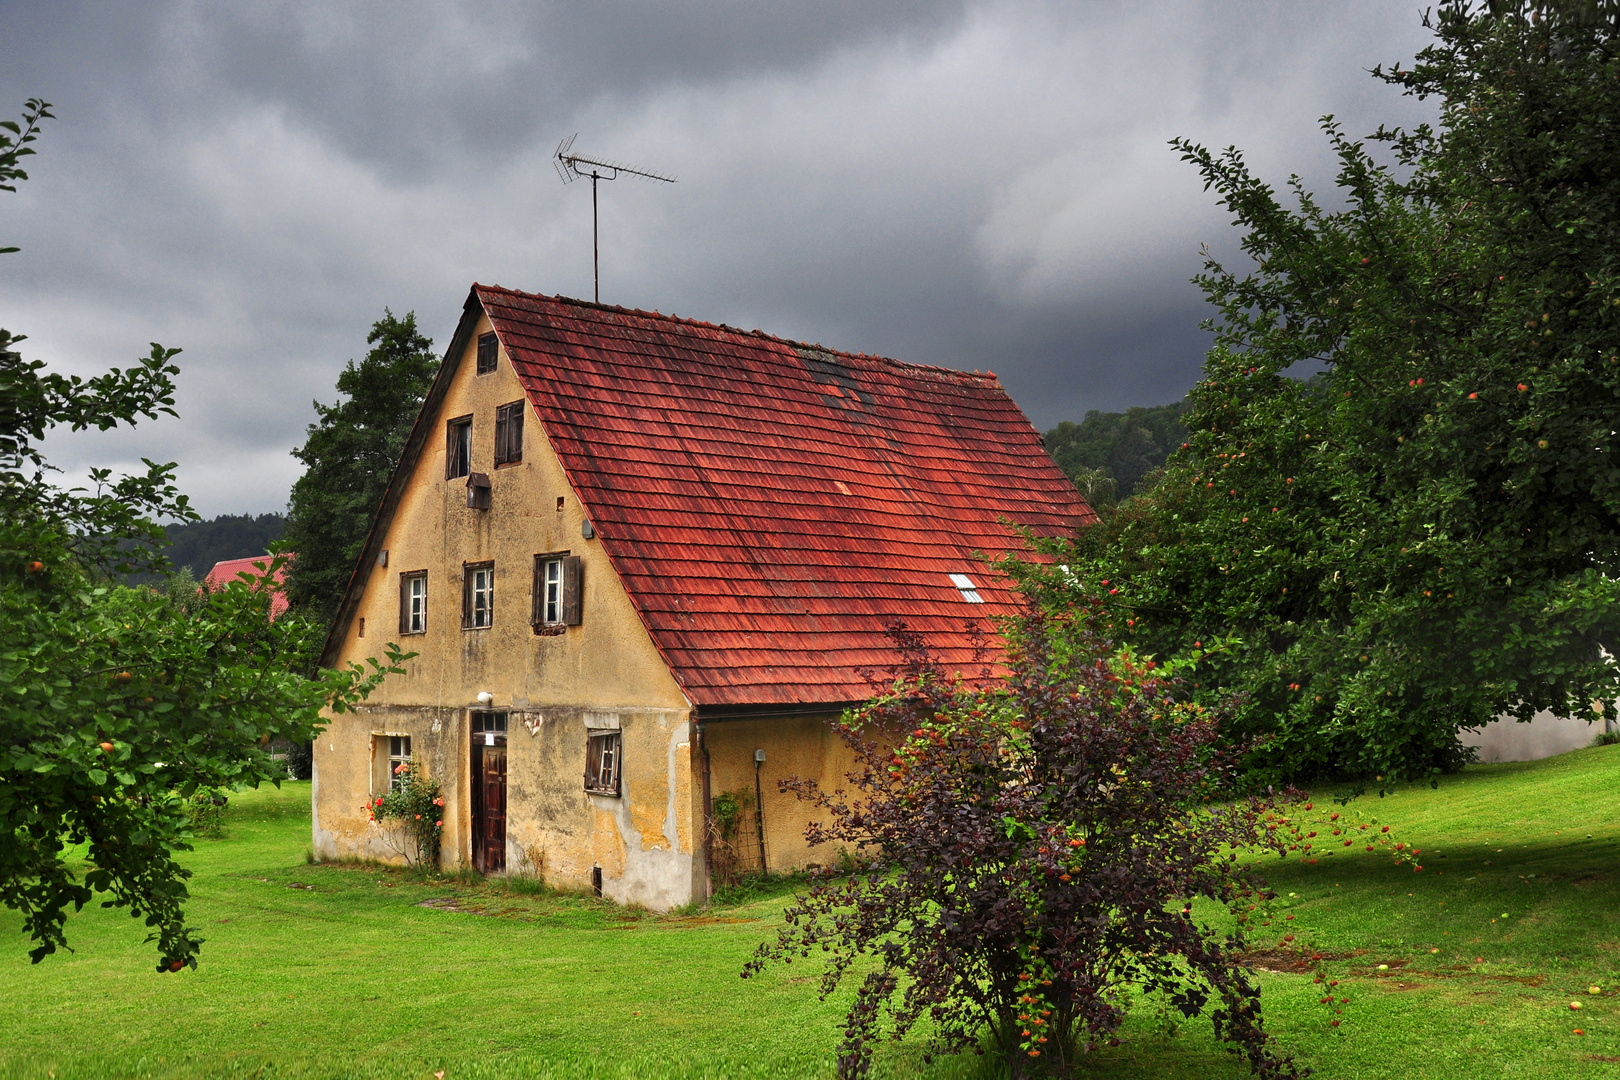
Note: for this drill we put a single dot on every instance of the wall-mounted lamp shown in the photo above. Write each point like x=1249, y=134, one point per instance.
x=382, y=557
x=485, y=697
x=759, y=758
x=587, y=530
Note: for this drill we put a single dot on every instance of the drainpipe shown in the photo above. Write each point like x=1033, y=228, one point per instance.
x=759, y=810
x=708, y=819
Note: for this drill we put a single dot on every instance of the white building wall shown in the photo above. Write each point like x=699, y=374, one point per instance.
x=1506, y=739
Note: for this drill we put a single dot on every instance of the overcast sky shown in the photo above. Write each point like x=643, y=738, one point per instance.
x=978, y=185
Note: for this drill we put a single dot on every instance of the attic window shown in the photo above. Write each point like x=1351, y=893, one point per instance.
x=486, y=353
x=458, y=448
x=970, y=591
x=509, y=434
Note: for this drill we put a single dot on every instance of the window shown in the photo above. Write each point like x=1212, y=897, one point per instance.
x=486, y=353
x=388, y=754
x=413, y=602
x=362, y=627
x=550, y=585
x=557, y=580
x=509, y=434
x=969, y=591
x=477, y=595
x=488, y=729
x=458, y=448
x=602, y=749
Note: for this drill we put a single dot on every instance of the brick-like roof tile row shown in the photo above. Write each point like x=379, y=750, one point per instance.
x=771, y=507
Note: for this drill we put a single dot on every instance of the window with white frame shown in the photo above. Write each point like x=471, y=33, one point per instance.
x=557, y=592
x=478, y=596
x=550, y=583
x=413, y=602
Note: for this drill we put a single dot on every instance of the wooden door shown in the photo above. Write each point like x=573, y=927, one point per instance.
x=489, y=824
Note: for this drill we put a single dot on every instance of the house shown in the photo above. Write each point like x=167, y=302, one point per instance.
x=226, y=571
x=642, y=560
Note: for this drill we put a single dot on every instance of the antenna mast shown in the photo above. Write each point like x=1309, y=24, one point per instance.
x=571, y=166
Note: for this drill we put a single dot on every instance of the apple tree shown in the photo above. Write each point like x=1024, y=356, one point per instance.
x=1426, y=534
x=116, y=704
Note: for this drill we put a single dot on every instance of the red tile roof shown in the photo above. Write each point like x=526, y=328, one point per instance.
x=225, y=572
x=771, y=506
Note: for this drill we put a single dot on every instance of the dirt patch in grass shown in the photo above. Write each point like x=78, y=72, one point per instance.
x=458, y=907
x=1291, y=961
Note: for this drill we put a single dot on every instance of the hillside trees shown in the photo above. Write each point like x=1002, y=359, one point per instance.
x=1429, y=533
x=349, y=454
x=1117, y=450
x=117, y=704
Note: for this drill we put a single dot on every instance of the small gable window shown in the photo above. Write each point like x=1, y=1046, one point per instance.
x=458, y=448
x=486, y=353
x=477, y=595
x=509, y=434
x=970, y=591
x=602, y=753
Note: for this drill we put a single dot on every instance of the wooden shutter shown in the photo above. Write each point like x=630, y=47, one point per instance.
x=593, y=759
x=573, y=572
x=404, y=604
x=509, y=433
x=466, y=596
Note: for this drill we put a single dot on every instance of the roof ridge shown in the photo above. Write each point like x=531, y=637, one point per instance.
x=756, y=332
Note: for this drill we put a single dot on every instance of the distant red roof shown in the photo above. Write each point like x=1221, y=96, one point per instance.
x=225, y=572
x=771, y=506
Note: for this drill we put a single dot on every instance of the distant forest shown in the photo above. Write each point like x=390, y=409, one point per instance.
x=1116, y=450
x=198, y=545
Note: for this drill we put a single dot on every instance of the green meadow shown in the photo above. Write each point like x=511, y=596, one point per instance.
x=356, y=971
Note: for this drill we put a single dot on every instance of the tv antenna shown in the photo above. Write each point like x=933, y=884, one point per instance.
x=571, y=166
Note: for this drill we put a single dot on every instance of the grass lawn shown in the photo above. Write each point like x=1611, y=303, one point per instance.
x=341, y=971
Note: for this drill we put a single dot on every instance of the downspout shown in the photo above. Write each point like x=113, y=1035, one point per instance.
x=708, y=819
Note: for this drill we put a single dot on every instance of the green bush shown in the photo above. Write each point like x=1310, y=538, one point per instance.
x=205, y=812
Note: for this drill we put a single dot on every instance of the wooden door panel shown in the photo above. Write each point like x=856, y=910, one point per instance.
x=490, y=829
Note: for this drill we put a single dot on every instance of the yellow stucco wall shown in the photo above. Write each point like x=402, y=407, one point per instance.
x=648, y=842
x=805, y=746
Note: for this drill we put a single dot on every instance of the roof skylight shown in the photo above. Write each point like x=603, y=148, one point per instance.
x=970, y=591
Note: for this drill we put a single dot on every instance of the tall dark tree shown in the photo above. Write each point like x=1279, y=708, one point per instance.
x=350, y=452
x=1429, y=534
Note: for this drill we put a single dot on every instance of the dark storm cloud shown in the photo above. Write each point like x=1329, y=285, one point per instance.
x=978, y=185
